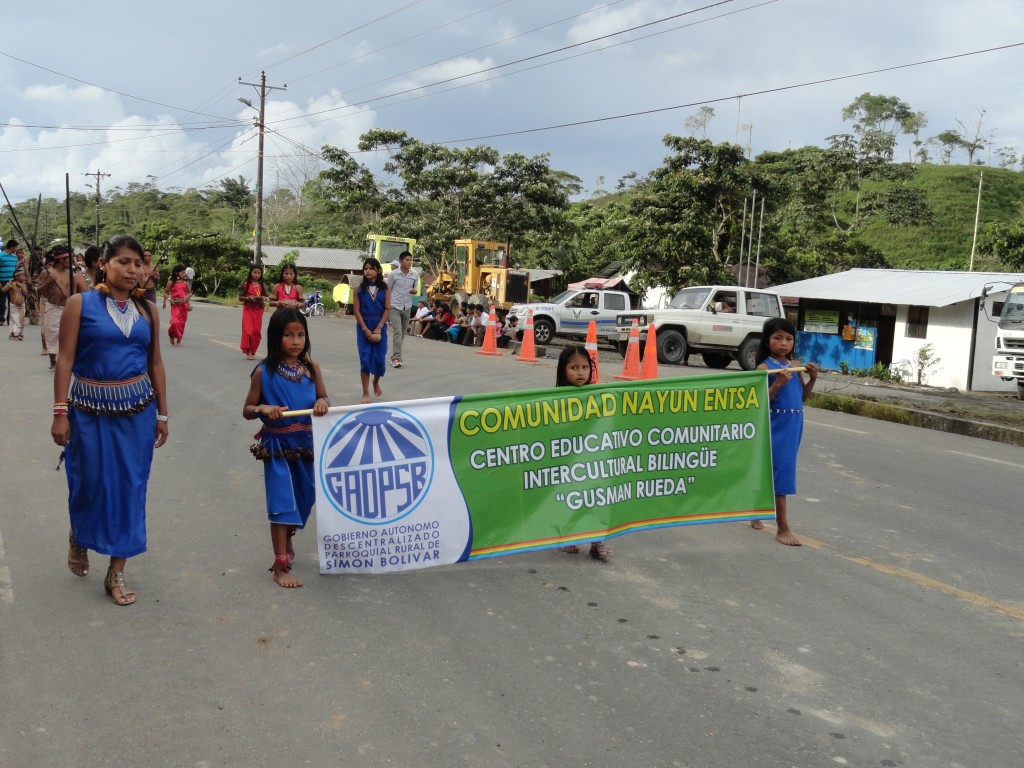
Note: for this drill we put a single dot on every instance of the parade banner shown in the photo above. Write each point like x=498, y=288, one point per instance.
x=419, y=483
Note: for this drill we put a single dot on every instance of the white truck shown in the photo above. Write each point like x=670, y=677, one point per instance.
x=570, y=312
x=1008, y=360
x=721, y=322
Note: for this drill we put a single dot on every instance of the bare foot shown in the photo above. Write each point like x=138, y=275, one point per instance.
x=376, y=389
x=757, y=525
x=365, y=398
x=286, y=579
x=788, y=538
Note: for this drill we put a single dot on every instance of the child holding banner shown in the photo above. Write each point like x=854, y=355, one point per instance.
x=786, y=394
x=288, y=379
x=574, y=371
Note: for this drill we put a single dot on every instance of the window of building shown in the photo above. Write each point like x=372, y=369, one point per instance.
x=917, y=323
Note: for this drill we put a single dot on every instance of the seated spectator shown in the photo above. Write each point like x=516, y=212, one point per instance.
x=422, y=319
x=474, y=335
x=439, y=327
x=509, y=332
x=465, y=323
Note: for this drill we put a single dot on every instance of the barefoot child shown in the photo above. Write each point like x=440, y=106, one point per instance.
x=574, y=371
x=288, y=379
x=371, y=304
x=786, y=394
x=16, y=291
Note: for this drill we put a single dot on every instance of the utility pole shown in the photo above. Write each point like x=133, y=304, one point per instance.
x=98, y=176
x=261, y=124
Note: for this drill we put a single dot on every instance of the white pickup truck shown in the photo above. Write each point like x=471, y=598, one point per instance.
x=722, y=322
x=570, y=312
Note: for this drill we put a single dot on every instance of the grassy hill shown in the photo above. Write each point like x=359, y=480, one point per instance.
x=952, y=193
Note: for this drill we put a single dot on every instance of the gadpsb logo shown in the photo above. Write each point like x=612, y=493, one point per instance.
x=376, y=465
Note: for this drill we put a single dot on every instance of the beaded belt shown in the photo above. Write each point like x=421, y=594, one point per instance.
x=786, y=410
x=299, y=427
x=113, y=398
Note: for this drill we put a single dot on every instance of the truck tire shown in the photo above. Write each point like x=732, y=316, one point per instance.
x=672, y=348
x=747, y=355
x=622, y=346
x=543, y=331
x=1020, y=389
x=716, y=359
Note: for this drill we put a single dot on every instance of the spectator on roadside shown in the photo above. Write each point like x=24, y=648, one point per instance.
x=509, y=332
x=8, y=263
x=190, y=275
x=424, y=316
x=443, y=319
x=474, y=336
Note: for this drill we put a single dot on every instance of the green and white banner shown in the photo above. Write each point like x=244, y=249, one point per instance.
x=427, y=482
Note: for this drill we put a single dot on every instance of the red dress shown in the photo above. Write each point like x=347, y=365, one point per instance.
x=179, y=312
x=280, y=294
x=252, y=319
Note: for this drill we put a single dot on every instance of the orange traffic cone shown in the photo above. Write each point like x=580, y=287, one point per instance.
x=490, y=345
x=631, y=367
x=526, y=349
x=649, y=369
x=591, y=347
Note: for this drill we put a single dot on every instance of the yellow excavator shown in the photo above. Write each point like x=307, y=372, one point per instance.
x=479, y=273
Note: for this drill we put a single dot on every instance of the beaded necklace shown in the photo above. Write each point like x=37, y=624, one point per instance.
x=123, y=313
x=292, y=373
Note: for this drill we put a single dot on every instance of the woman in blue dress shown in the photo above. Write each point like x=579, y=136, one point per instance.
x=109, y=412
x=786, y=394
x=288, y=379
x=371, y=305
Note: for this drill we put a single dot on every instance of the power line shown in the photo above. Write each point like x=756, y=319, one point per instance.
x=403, y=41
x=541, y=65
x=343, y=34
x=522, y=60
x=762, y=92
x=108, y=90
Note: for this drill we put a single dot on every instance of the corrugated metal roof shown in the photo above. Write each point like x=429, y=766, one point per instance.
x=348, y=259
x=922, y=288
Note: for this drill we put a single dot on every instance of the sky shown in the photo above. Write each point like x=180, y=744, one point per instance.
x=148, y=92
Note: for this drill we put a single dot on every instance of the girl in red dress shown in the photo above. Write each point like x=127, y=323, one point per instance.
x=287, y=293
x=253, y=295
x=179, y=294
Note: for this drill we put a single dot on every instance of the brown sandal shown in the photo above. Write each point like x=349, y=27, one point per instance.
x=599, y=551
x=78, y=557
x=571, y=549
x=115, y=580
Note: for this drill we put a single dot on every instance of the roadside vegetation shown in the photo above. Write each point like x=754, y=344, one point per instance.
x=849, y=202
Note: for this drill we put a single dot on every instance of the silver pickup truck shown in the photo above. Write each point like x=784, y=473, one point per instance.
x=721, y=322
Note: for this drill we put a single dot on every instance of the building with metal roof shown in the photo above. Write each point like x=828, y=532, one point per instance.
x=862, y=317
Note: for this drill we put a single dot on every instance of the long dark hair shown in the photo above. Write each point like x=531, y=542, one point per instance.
x=249, y=281
x=379, y=282
x=275, y=334
x=111, y=247
x=179, y=269
x=561, y=380
x=771, y=325
x=284, y=268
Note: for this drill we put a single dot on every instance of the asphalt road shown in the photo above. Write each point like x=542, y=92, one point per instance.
x=893, y=638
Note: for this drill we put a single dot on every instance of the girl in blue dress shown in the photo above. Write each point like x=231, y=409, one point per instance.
x=288, y=379
x=111, y=414
x=786, y=394
x=371, y=305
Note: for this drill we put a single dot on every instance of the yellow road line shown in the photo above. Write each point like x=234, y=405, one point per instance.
x=921, y=580
x=222, y=343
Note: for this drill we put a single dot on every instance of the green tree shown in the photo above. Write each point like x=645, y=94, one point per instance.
x=438, y=194
x=1004, y=242
x=683, y=219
